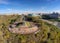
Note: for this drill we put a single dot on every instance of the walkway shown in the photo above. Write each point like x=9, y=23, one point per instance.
x=53, y=23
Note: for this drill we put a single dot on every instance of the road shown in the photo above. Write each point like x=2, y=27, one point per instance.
x=58, y=25
x=53, y=23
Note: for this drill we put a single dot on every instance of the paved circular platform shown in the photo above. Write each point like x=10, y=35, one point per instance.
x=24, y=30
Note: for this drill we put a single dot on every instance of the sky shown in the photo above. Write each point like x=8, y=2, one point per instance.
x=22, y=6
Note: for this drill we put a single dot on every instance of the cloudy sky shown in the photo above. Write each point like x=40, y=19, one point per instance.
x=21, y=6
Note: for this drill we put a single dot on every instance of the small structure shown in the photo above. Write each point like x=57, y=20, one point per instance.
x=34, y=14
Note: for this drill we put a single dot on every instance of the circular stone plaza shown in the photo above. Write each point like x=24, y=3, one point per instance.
x=23, y=27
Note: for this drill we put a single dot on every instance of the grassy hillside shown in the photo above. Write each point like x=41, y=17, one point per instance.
x=47, y=34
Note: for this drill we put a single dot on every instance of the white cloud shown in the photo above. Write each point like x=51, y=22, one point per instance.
x=9, y=9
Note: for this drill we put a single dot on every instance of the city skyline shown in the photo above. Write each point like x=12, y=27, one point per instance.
x=22, y=6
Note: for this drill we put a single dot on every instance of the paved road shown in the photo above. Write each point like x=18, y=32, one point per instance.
x=58, y=25
x=53, y=23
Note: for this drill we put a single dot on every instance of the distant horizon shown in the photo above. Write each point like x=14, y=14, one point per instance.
x=30, y=13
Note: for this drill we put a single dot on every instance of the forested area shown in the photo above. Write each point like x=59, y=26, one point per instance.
x=48, y=33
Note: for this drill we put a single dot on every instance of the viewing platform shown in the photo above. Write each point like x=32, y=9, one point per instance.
x=21, y=28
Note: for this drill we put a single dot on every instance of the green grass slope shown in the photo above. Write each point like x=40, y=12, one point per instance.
x=47, y=34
